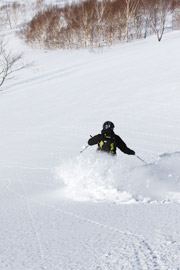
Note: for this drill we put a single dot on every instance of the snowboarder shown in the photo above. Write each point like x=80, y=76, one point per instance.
x=108, y=141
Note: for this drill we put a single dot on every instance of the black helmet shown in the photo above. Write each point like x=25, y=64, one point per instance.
x=108, y=125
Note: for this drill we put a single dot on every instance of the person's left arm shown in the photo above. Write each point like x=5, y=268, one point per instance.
x=123, y=147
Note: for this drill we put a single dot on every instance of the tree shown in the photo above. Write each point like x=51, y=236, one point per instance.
x=159, y=10
x=129, y=8
x=10, y=62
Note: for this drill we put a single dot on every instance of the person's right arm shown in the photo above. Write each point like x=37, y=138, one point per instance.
x=95, y=139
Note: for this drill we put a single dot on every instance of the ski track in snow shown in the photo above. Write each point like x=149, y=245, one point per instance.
x=145, y=258
x=42, y=264
x=141, y=254
x=37, y=235
x=49, y=76
x=126, y=250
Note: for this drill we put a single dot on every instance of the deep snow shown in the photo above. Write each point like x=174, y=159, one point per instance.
x=85, y=179
x=60, y=209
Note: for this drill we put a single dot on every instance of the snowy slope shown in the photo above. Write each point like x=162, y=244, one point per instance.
x=63, y=210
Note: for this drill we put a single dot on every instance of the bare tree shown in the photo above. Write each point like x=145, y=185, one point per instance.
x=177, y=18
x=129, y=8
x=176, y=13
x=5, y=15
x=11, y=14
x=159, y=10
x=10, y=62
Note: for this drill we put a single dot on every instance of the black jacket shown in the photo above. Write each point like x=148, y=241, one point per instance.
x=118, y=141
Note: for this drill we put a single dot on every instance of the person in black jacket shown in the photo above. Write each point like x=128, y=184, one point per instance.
x=108, y=141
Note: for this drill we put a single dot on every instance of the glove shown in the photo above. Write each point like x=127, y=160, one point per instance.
x=131, y=152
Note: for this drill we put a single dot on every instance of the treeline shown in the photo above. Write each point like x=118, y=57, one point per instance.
x=94, y=23
x=16, y=13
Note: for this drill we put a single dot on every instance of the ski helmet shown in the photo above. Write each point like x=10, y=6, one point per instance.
x=108, y=125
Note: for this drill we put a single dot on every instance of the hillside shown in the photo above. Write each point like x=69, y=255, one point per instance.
x=64, y=210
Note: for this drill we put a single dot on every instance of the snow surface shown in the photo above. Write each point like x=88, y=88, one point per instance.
x=62, y=210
